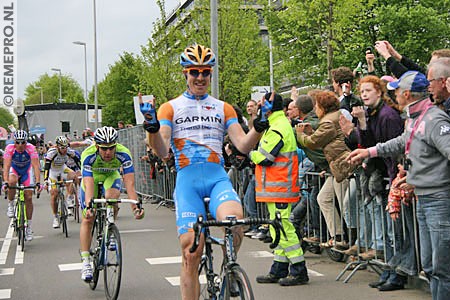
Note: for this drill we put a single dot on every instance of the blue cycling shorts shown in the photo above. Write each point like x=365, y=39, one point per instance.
x=193, y=184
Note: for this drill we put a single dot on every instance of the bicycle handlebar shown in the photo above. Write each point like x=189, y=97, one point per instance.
x=200, y=224
x=21, y=187
x=113, y=201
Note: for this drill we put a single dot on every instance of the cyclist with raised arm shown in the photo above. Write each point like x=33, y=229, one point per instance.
x=101, y=162
x=55, y=166
x=21, y=166
x=194, y=124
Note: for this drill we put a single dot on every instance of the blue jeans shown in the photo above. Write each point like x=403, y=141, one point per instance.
x=250, y=201
x=433, y=216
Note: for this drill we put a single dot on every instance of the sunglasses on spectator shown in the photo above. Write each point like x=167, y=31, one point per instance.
x=196, y=72
x=106, y=148
x=21, y=142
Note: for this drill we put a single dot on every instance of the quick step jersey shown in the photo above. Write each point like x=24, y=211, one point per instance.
x=198, y=128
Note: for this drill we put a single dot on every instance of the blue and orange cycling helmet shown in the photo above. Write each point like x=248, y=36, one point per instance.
x=197, y=55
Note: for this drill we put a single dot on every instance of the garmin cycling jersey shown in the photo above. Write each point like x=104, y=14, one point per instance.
x=93, y=164
x=198, y=128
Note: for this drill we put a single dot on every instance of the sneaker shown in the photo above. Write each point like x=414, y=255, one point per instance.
x=55, y=222
x=70, y=201
x=294, y=280
x=251, y=232
x=269, y=278
x=86, y=271
x=112, y=244
x=28, y=233
x=10, y=211
x=353, y=250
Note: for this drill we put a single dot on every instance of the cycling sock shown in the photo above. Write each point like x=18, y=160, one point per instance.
x=29, y=223
x=85, y=255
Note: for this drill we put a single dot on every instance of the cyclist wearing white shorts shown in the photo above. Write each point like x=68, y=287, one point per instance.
x=55, y=166
x=194, y=124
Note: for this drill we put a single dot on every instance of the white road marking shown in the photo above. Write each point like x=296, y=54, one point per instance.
x=175, y=281
x=314, y=273
x=6, y=271
x=164, y=260
x=6, y=244
x=19, y=255
x=5, y=294
x=70, y=267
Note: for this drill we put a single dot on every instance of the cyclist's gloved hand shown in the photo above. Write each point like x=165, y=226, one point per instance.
x=46, y=184
x=139, y=213
x=151, y=123
x=260, y=125
x=5, y=186
x=39, y=187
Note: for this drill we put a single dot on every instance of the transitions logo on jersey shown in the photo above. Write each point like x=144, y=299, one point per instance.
x=209, y=107
x=445, y=129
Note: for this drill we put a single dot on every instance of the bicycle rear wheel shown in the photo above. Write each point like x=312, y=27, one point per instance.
x=95, y=250
x=243, y=289
x=62, y=211
x=113, y=263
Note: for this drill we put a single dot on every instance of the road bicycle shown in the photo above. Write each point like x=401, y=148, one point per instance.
x=232, y=282
x=106, y=246
x=61, y=205
x=20, y=221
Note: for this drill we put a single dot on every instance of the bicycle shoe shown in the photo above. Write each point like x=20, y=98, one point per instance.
x=112, y=244
x=10, y=211
x=56, y=222
x=86, y=272
x=28, y=234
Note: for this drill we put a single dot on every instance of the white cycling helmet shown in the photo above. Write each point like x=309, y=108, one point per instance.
x=20, y=135
x=62, y=141
x=105, y=135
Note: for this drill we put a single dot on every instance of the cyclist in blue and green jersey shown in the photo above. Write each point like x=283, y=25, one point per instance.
x=101, y=162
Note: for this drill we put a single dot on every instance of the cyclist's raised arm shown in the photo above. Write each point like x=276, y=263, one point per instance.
x=242, y=141
x=160, y=141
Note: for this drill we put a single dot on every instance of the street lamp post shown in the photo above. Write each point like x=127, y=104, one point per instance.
x=60, y=86
x=85, y=81
x=42, y=94
x=95, y=67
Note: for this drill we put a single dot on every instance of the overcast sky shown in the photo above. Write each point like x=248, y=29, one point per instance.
x=46, y=30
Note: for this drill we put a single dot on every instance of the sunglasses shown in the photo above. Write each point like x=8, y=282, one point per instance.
x=106, y=148
x=21, y=142
x=62, y=147
x=196, y=72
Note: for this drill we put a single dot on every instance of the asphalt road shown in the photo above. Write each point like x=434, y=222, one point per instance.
x=50, y=266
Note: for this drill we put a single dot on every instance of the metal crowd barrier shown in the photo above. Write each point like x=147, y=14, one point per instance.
x=162, y=186
x=396, y=241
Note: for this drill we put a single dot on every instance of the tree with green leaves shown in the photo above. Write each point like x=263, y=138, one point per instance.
x=70, y=90
x=116, y=91
x=6, y=118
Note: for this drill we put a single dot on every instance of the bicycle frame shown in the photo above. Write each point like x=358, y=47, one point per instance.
x=218, y=286
x=20, y=219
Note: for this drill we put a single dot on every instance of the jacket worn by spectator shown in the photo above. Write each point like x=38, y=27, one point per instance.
x=429, y=154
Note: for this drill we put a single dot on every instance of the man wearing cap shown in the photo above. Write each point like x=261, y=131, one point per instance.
x=276, y=183
x=426, y=144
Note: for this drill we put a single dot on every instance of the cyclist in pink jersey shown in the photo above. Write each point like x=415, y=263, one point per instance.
x=21, y=166
x=194, y=125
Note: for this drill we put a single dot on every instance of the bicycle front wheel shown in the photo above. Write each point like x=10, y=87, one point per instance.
x=95, y=252
x=237, y=285
x=62, y=211
x=21, y=224
x=113, y=263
